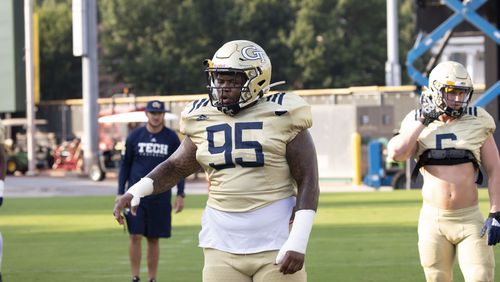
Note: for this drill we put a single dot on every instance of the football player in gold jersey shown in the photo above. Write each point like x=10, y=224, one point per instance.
x=449, y=139
x=261, y=165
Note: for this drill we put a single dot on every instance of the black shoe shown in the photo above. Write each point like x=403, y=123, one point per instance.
x=151, y=280
x=134, y=279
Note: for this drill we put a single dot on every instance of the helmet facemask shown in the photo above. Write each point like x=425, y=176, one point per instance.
x=451, y=88
x=446, y=99
x=228, y=89
x=246, y=74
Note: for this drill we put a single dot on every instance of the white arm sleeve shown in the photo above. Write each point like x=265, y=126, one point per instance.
x=143, y=187
x=299, y=235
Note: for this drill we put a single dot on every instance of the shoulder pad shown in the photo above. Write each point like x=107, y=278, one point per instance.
x=485, y=119
x=196, y=104
x=295, y=108
x=191, y=110
x=472, y=111
x=287, y=101
x=276, y=98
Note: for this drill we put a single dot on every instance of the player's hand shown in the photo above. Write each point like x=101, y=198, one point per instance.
x=291, y=262
x=132, y=198
x=429, y=112
x=179, y=204
x=122, y=202
x=492, y=227
x=291, y=256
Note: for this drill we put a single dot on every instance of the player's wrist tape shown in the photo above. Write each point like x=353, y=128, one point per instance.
x=299, y=235
x=2, y=187
x=142, y=188
x=301, y=229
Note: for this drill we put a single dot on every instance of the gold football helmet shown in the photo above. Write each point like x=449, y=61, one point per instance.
x=251, y=68
x=451, y=88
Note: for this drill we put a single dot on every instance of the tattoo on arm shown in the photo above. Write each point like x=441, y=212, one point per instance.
x=301, y=157
x=180, y=164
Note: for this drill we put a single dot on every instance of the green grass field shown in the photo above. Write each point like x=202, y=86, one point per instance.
x=356, y=237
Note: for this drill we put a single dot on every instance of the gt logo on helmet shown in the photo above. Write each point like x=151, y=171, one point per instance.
x=252, y=53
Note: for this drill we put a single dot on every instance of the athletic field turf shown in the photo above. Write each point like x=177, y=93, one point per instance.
x=356, y=237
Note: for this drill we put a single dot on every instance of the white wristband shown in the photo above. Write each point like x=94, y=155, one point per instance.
x=142, y=188
x=2, y=187
x=299, y=235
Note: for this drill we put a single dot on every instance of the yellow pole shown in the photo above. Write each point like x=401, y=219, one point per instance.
x=356, y=158
x=36, y=58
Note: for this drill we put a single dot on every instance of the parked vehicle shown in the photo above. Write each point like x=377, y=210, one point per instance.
x=17, y=158
x=17, y=162
x=382, y=172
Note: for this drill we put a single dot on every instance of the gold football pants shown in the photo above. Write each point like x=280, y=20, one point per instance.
x=226, y=267
x=446, y=234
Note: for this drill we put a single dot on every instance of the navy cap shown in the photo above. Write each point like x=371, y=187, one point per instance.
x=155, y=106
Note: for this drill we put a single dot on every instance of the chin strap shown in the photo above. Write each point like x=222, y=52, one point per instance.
x=454, y=113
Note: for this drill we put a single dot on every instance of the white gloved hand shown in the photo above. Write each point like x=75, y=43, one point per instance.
x=299, y=235
x=429, y=111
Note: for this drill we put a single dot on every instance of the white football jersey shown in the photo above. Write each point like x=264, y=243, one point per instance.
x=244, y=156
x=468, y=132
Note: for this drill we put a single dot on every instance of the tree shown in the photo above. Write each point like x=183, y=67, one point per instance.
x=407, y=34
x=338, y=43
x=265, y=22
x=60, y=71
x=145, y=44
x=158, y=46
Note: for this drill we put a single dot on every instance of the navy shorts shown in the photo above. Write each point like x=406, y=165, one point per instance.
x=153, y=219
